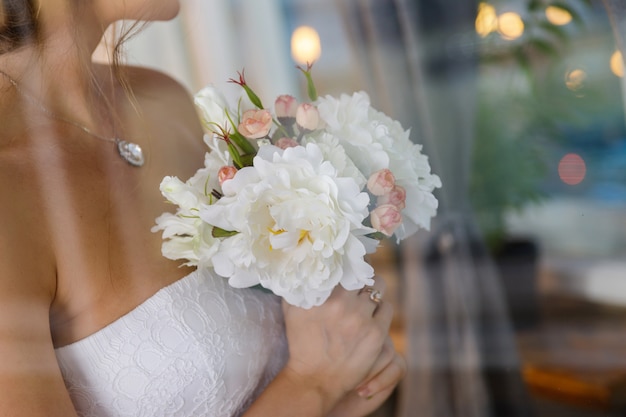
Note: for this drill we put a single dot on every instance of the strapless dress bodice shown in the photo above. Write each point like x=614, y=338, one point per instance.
x=198, y=347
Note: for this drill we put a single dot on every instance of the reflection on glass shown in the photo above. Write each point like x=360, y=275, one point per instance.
x=572, y=169
x=487, y=20
x=575, y=79
x=558, y=16
x=617, y=64
x=510, y=25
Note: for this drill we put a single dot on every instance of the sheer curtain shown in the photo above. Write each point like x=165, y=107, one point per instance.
x=210, y=40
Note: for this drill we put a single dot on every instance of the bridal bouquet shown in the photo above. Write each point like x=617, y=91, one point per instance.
x=293, y=198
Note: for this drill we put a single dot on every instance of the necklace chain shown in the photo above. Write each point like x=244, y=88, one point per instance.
x=129, y=151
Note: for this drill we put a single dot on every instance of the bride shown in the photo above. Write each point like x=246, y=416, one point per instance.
x=93, y=320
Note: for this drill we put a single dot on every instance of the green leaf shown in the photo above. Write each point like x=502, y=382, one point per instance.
x=234, y=153
x=259, y=287
x=310, y=85
x=557, y=31
x=377, y=236
x=535, y=5
x=243, y=143
x=253, y=97
x=218, y=232
x=247, y=159
x=543, y=46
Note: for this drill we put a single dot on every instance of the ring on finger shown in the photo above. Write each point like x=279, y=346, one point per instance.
x=374, y=295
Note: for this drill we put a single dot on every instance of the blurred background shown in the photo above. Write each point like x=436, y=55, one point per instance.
x=514, y=303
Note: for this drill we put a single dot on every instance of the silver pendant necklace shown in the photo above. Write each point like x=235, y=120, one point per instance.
x=128, y=151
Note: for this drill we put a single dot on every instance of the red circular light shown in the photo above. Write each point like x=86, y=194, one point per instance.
x=572, y=169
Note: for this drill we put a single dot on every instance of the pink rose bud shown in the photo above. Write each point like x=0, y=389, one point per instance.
x=284, y=143
x=396, y=197
x=226, y=173
x=386, y=219
x=307, y=116
x=255, y=124
x=285, y=106
x=381, y=182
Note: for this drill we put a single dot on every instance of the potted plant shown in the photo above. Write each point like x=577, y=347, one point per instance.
x=515, y=120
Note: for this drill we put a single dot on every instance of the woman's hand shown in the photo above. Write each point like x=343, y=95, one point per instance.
x=336, y=347
x=388, y=371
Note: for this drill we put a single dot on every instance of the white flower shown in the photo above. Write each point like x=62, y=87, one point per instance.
x=212, y=106
x=335, y=154
x=187, y=238
x=374, y=141
x=348, y=119
x=185, y=235
x=299, y=225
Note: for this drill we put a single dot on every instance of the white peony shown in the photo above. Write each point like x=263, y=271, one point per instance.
x=299, y=226
x=335, y=154
x=374, y=141
x=347, y=117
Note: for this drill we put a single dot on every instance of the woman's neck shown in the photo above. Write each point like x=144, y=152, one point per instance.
x=58, y=74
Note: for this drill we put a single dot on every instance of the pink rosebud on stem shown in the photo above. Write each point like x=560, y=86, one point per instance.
x=226, y=173
x=381, y=182
x=307, y=116
x=284, y=143
x=396, y=197
x=285, y=106
x=255, y=124
x=386, y=219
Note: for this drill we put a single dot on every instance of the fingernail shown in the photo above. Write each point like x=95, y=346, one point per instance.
x=364, y=393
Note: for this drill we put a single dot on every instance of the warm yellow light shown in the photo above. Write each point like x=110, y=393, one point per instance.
x=558, y=16
x=510, y=25
x=486, y=20
x=575, y=79
x=305, y=45
x=617, y=64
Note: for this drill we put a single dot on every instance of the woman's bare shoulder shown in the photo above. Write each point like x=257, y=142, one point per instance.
x=163, y=95
x=172, y=119
x=150, y=84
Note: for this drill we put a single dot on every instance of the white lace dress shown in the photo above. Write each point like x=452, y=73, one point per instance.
x=196, y=348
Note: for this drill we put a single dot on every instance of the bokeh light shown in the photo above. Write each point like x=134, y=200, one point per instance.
x=305, y=45
x=487, y=20
x=575, y=79
x=558, y=16
x=510, y=25
x=617, y=64
x=572, y=169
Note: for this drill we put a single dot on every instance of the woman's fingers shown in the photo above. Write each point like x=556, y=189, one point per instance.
x=385, y=357
x=387, y=378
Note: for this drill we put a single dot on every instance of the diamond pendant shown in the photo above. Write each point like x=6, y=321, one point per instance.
x=130, y=152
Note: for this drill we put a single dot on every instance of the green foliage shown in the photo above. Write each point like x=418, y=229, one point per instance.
x=516, y=118
x=507, y=168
